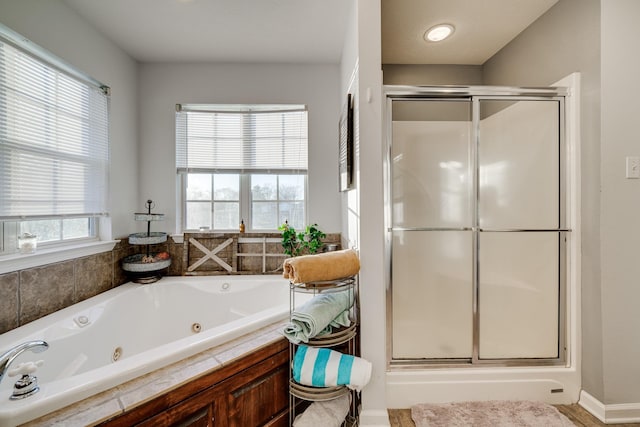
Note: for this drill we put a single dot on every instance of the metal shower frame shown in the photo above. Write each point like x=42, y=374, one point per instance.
x=474, y=94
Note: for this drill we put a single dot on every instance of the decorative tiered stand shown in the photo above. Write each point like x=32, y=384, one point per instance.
x=147, y=267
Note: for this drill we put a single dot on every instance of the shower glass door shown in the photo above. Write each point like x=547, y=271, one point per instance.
x=476, y=208
x=518, y=228
x=432, y=238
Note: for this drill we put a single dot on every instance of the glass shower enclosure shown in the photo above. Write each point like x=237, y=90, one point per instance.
x=476, y=226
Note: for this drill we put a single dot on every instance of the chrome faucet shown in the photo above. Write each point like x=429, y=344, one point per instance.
x=8, y=357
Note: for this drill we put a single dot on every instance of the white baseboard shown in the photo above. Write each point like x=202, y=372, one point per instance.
x=610, y=414
x=374, y=418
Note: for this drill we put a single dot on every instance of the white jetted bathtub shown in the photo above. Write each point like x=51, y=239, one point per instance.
x=132, y=330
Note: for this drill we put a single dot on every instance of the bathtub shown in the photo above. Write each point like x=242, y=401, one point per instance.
x=134, y=329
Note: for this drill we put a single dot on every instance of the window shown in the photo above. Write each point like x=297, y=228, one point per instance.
x=54, y=149
x=242, y=162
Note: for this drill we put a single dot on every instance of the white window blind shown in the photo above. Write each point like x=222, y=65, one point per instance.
x=241, y=138
x=54, y=144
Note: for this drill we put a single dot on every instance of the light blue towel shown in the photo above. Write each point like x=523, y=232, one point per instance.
x=319, y=316
x=322, y=367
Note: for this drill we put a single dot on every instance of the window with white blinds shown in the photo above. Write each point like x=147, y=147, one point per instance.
x=241, y=138
x=242, y=163
x=54, y=147
x=54, y=144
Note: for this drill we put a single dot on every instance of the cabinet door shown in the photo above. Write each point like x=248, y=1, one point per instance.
x=259, y=396
x=197, y=411
x=201, y=418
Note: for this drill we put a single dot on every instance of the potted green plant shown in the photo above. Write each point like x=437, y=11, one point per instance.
x=295, y=244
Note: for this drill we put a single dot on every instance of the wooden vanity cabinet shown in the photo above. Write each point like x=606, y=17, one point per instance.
x=258, y=396
x=250, y=392
x=197, y=411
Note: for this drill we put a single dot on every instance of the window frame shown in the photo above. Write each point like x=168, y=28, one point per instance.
x=245, y=202
x=10, y=225
x=245, y=199
x=278, y=201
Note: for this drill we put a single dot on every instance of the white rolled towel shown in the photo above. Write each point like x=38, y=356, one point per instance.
x=322, y=367
x=330, y=413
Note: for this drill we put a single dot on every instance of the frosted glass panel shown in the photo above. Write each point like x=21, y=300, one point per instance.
x=432, y=294
x=519, y=164
x=518, y=295
x=430, y=164
x=516, y=156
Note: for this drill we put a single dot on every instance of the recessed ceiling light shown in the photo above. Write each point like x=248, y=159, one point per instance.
x=439, y=32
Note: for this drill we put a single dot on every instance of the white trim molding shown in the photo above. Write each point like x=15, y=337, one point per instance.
x=374, y=418
x=616, y=413
x=16, y=262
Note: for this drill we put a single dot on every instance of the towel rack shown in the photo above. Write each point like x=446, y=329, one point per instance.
x=344, y=339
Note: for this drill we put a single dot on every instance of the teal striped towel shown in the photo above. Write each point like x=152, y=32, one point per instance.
x=319, y=315
x=322, y=367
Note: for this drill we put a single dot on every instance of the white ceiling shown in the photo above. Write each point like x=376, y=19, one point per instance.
x=304, y=31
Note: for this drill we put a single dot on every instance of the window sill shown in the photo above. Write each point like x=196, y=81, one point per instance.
x=15, y=262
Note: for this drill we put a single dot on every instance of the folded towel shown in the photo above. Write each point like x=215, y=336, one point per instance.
x=321, y=267
x=322, y=367
x=330, y=413
x=319, y=316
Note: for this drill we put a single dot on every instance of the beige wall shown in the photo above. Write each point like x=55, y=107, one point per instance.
x=419, y=74
x=54, y=26
x=564, y=40
x=28, y=294
x=595, y=38
x=163, y=85
x=620, y=201
x=350, y=206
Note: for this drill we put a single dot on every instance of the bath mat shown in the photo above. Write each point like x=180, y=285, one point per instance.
x=493, y=413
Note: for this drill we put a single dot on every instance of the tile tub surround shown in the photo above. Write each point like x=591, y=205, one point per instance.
x=242, y=253
x=131, y=394
x=29, y=294
x=9, y=317
x=37, y=301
